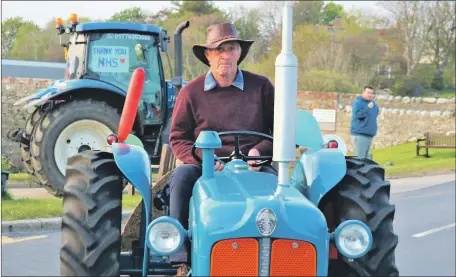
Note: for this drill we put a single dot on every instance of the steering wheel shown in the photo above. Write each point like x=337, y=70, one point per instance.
x=237, y=154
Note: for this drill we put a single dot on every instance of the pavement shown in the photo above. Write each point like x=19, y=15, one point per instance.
x=424, y=222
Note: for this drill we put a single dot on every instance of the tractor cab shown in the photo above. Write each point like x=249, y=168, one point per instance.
x=110, y=51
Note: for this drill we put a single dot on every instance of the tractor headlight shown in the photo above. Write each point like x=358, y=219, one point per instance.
x=165, y=235
x=353, y=239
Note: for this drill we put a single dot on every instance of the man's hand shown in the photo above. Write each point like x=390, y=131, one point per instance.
x=253, y=152
x=218, y=166
x=371, y=105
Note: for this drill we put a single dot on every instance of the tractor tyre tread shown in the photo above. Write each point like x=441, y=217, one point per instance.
x=92, y=216
x=53, y=184
x=30, y=124
x=363, y=194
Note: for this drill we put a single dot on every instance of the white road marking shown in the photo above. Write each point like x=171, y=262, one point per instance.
x=434, y=230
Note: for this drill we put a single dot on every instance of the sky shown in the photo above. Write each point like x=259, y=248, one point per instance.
x=43, y=11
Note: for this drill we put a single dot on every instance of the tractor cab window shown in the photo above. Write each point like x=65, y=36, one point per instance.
x=112, y=58
x=76, y=50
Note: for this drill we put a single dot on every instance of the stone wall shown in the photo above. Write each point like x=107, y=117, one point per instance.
x=14, y=89
x=401, y=119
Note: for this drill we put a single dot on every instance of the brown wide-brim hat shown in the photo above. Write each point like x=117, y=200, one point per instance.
x=217, y=34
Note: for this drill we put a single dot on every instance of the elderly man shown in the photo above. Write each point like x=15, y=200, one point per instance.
x=224, y=99
x=364, y=122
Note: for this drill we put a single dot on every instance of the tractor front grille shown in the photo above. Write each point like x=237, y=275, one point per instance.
x=263, y=257
x=235, y=257
x=293, y=258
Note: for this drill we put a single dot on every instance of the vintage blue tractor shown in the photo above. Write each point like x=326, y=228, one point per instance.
x=79, y=111
x=331, y=218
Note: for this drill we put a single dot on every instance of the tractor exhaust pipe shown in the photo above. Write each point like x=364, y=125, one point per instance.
x=178, y=78
x=286, y=82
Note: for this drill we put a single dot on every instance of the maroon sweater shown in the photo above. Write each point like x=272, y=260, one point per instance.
x=223, y=109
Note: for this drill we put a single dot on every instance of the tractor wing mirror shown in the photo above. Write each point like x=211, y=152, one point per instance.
x=130, y=108
x=139, y=51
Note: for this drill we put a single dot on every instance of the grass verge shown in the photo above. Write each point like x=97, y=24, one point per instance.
x=25, y=177
x=405, y=162
x=20, y=177
x=32, y=208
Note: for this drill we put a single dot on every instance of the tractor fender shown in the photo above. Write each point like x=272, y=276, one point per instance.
x=71, y=85
x=39, y=93
x=66, y=87
x=133, y=161
x=60, y=87
x=318, y=169
x=317, y=172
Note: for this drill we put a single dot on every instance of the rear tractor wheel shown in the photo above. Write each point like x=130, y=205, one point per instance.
x=66, y=131
x=26, y=140
x=92, y=216
x=363, y=194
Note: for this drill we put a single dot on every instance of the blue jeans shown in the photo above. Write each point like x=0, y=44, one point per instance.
x=361, y=144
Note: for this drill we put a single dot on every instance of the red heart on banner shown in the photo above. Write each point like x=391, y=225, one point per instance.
x=122, y=60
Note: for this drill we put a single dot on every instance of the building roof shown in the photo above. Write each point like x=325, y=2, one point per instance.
x=32, y=69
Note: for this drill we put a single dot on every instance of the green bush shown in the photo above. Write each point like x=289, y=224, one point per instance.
x=326, y=81
x=425, y=73
x=437, y=81
x=406, y=86
x=382, y=82
x=9, y=166
x=448, y=76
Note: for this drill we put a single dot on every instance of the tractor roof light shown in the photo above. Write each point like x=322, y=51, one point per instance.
x=58, y=22
x=59, y=25
x=74, y=20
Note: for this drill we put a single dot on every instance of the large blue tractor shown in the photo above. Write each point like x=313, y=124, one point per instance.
x=333, y=216
x=78, y=112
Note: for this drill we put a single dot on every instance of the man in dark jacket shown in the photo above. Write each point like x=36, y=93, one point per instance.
x=224, y=99
x=364, y=122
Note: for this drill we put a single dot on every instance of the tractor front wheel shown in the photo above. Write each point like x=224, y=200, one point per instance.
x=68, y=130
x=92, y=216
x=363, y=194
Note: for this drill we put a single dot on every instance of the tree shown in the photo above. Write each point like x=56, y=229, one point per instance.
x=442, y=37
x=307, y=12
x=135, y=14
x=330, y=11
x=27, y=44
x=270, y=24
x=160, y=16
x=247, y=22
x=197, y=8
x=9, y=31
x=415, y=23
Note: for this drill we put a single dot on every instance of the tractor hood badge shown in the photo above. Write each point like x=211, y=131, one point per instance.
x=266, y=222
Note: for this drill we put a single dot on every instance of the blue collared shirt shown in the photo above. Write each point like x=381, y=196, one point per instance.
x=210, y=82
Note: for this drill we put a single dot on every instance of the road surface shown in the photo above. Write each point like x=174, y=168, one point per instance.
x=425, y=223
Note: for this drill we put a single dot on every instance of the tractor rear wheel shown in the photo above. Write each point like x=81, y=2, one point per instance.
x=363, y=194
x=66, y=131
x=92, y=216
x=26, y=138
